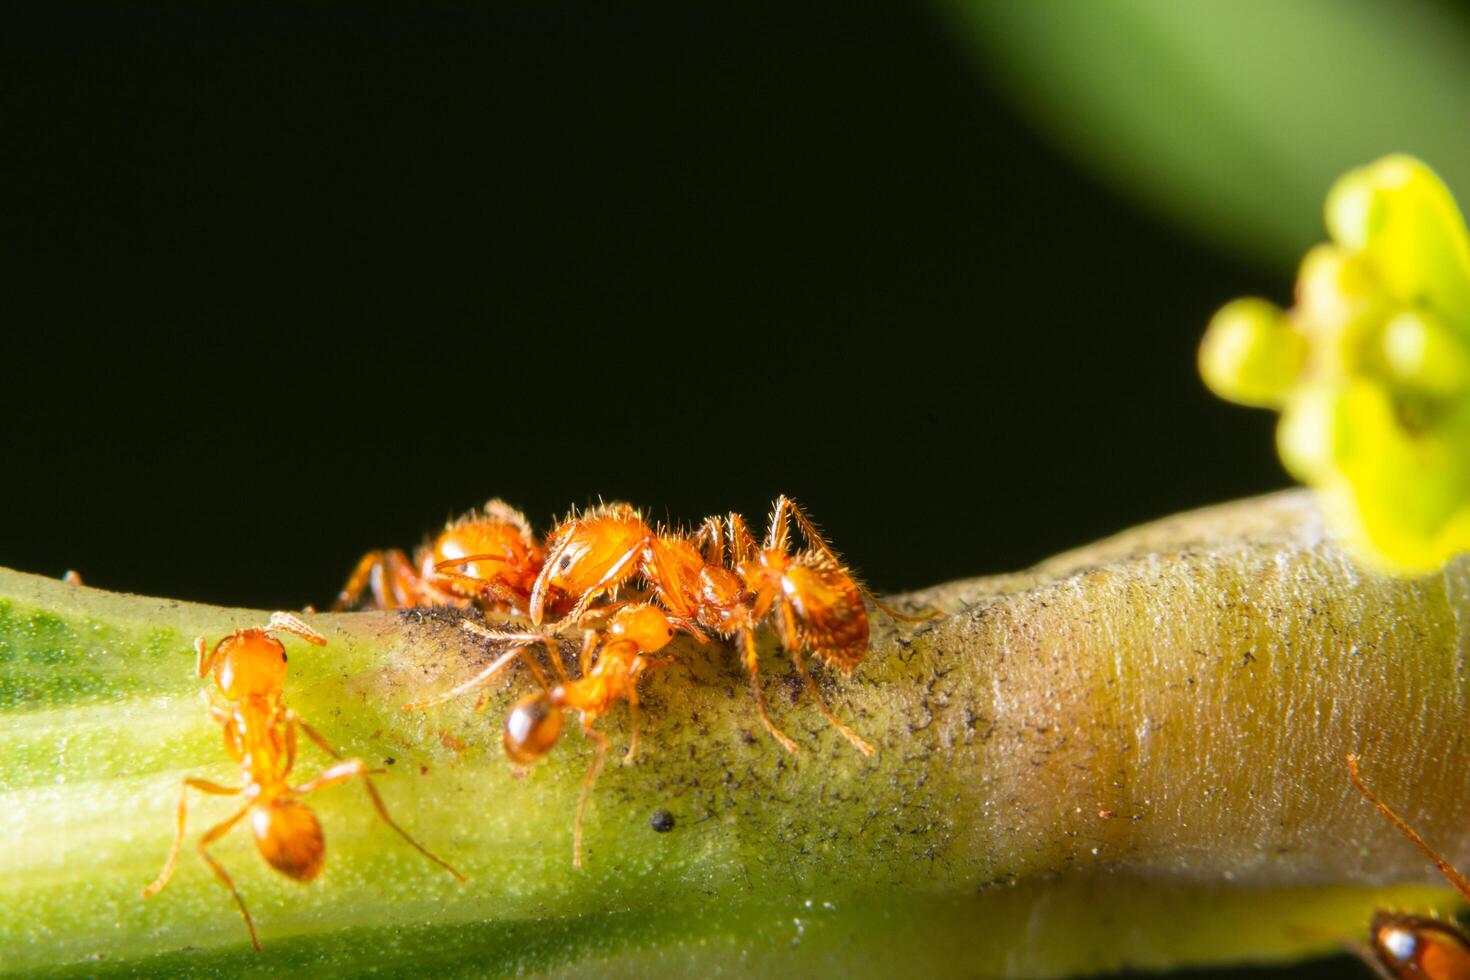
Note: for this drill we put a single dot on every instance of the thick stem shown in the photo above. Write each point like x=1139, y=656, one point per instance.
x=1132, y=754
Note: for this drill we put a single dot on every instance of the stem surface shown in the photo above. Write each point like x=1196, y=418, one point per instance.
x=1129, y=755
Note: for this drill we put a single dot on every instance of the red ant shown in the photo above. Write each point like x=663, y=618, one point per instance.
x=815, y=600
x=260, y=733
x=1405, y=946
x=494, y=546
x=613, y=660
x=591, y=555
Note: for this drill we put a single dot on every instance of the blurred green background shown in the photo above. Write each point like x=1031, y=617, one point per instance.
x=1233, y=117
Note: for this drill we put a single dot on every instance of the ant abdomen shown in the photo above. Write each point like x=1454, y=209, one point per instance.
x=290, y=839
x=531, y=728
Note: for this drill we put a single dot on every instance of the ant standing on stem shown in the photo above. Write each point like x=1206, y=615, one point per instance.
x=499, y=557
x=613, y=661
x=815, y=600
x=260, y=733
x=1405, y=946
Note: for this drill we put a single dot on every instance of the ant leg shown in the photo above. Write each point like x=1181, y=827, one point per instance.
x=587, y=781
x=632, y=752
x=400, y=574
x=742, y=542
x=210, y=836
x=542, y=585
x=525, y=639
x=483, y=677
x=352, y=768
x=753, y=667
x=710, y=540
x=811, y=685
x=814, y=537
x=1445, y=868
x=590, y=641
x=484, y=587
x=688, y=626
x=203, y=656
x=369, y=572
x=357, y=581
x=203, y=786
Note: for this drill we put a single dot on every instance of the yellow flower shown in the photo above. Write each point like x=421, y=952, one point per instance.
x=1371, y=368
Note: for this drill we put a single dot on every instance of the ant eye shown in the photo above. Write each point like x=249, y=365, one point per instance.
x=284, y=658
x=565, y=563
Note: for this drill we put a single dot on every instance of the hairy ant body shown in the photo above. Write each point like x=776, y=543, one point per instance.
x=249, y=669
x=814, y=599
x=1404, y=946
x=488, y=556
x=590, y=556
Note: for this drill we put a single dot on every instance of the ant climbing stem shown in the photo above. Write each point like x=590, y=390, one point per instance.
x=249, y=670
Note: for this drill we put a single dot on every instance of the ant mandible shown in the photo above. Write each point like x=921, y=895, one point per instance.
x=1405, y=946
x=487, y=556
x=260, y=733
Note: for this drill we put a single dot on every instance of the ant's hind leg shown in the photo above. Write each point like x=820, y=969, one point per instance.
x=213, y=834
x=203, y=786
x=811, y=685
x=367, y=568
x=753, y=668
x=587, y=781
x=355, y=768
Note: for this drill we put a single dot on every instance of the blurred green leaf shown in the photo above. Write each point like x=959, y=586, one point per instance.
x=1233, y=115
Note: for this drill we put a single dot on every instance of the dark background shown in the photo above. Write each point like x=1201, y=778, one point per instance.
x=281, y=286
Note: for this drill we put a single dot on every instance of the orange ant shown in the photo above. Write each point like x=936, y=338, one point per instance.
x=613, y=660
x=1405, y=946
x=494, y=545
x=816, y=601
x=260, y=733
x=590, y=556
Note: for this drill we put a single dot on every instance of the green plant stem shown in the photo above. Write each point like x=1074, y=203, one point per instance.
x=1130, y=755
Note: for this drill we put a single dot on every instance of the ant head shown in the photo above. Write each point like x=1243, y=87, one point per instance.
x=252, y=662
x=249, y=663
x=647, y=626
x=290, y=838
x=531, y=728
